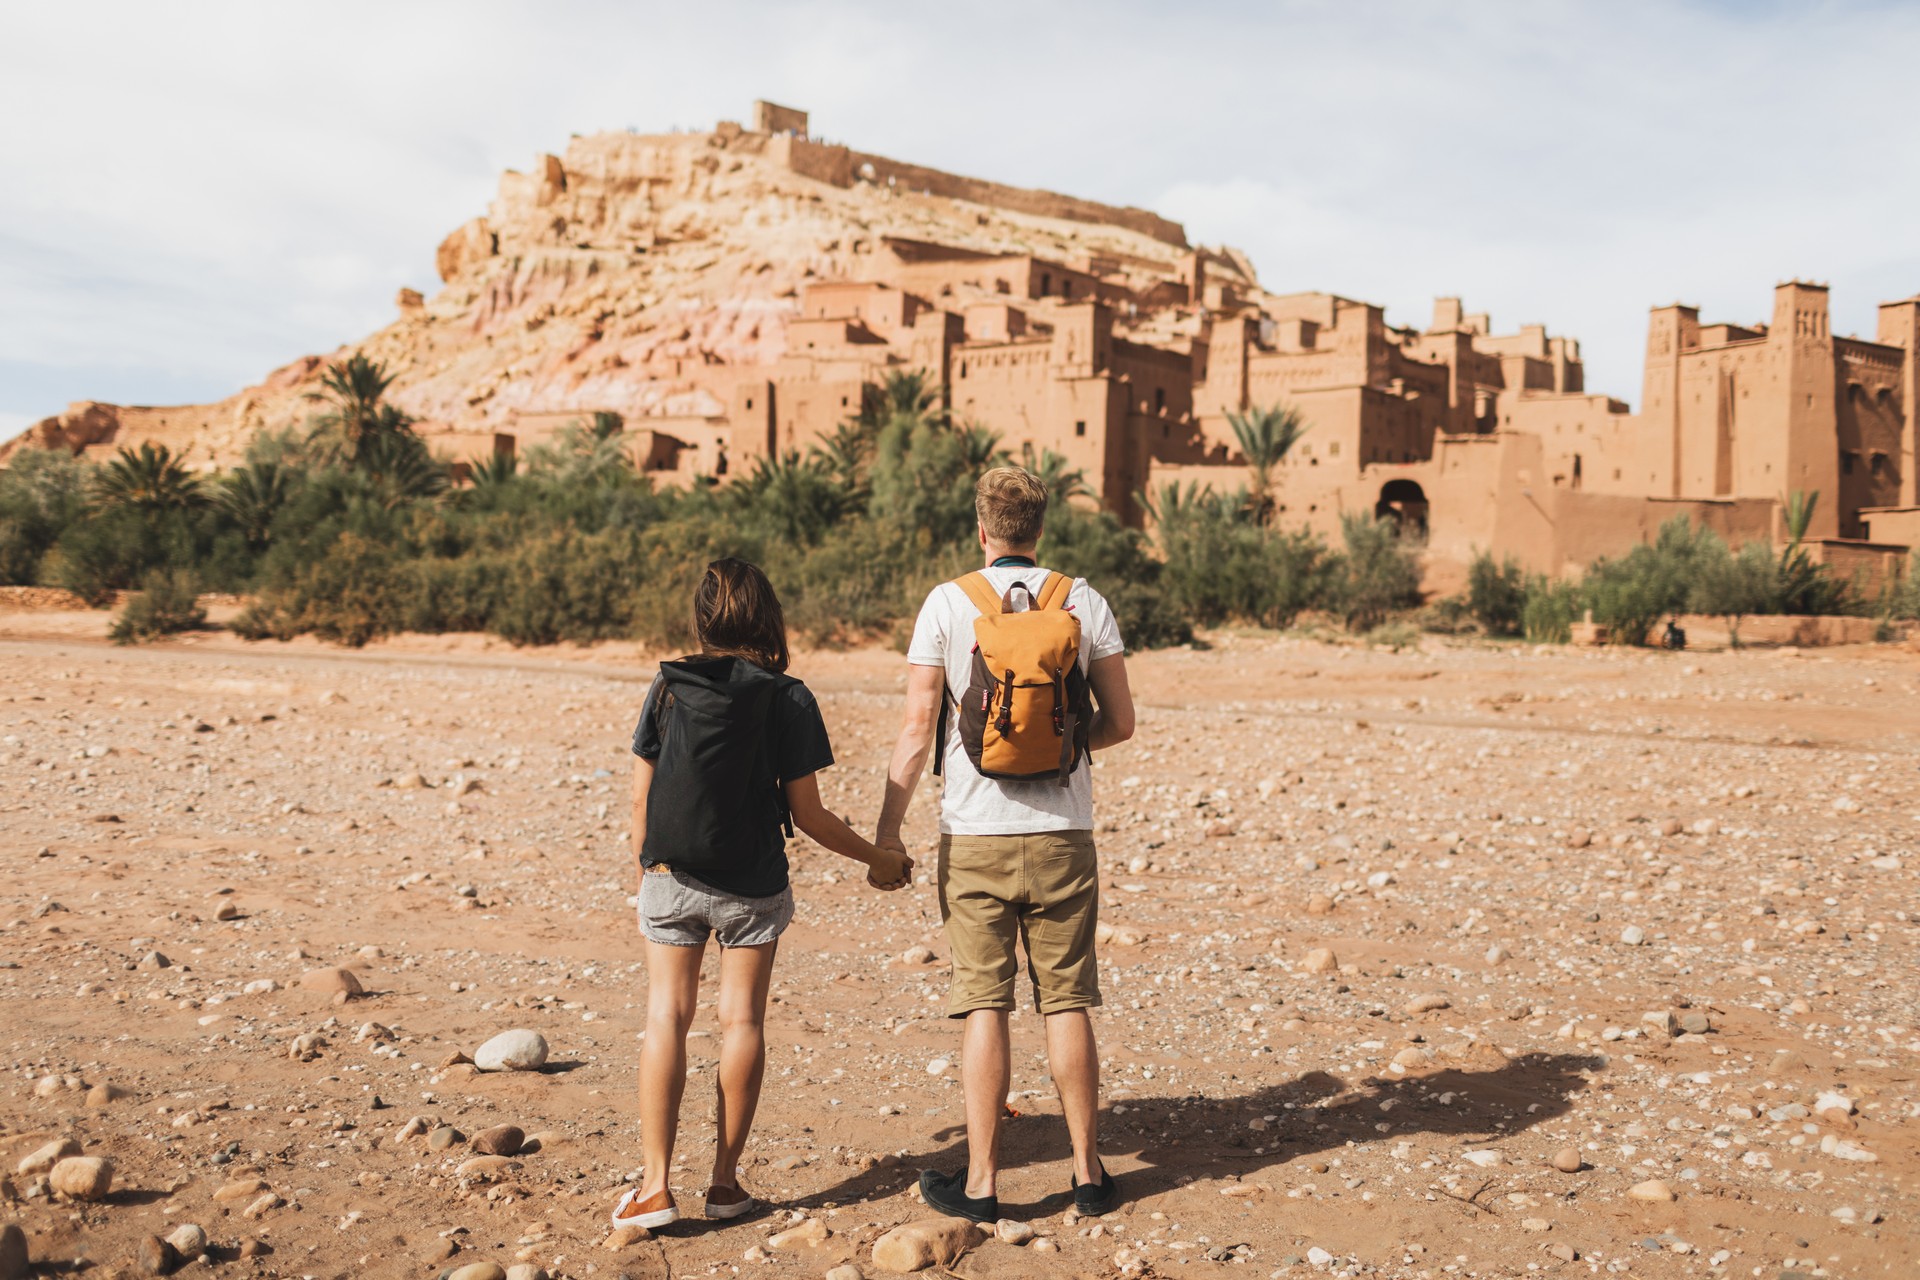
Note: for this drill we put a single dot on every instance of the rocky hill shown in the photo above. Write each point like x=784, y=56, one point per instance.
x=627, y=272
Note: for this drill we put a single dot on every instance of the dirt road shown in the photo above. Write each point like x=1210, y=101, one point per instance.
x=1389, y=934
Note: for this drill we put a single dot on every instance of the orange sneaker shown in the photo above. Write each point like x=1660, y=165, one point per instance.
x=728, y=1202
x=657, y=1210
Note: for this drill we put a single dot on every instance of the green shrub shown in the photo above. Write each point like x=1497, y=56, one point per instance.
x=1221, y=566
x=168, y=602
x=1630, y=595
x=1394, y=635
x=1380, y=573
x=1901, y=599
x=1550, y=610
x=113, y=549
x=1496, y=594
x=42, y=492
x=354, y=593
x=1733, y=586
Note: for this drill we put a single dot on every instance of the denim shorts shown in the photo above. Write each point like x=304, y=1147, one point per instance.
x=680, y=911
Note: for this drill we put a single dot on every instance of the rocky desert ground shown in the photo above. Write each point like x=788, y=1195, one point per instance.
x=1466, y=961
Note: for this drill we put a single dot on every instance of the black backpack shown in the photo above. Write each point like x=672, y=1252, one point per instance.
x=716, y=802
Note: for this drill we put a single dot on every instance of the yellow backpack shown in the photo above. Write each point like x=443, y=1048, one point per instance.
x=1028, y=708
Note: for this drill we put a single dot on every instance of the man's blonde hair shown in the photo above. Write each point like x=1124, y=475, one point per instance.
x=1012, y=505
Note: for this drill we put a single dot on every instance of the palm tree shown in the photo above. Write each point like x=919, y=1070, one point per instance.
x=1175, y=506
x=252, y=495
x=495, y=469
x=905, y=393
x=1799, y=513
x=152, y=479
x=797, y=497
x=846, y=455
x=579, y=455
x=1266, y=437
x=980, y=448
x=356, y=413
x=1063, y=480
x=399, y=469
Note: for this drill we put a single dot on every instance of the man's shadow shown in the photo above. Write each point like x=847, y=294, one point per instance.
x=1186, y=1139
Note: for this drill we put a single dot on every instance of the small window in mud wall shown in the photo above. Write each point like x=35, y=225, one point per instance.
x=1079, y=428
x=843, y=402
x=1576, y=471
x=720, y=467
x=963, y=368
x=1878, y=465
x=1046, y=283
x=1333, y=449
x=1066, y=288
x=1846, y=463
x=1159, y=399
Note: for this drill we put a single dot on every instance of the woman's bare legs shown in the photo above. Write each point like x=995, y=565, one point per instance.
x=673, y=993
x=745, y=975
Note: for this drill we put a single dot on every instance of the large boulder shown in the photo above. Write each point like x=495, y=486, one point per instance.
x=929, y=1242
x=44, y=1158
x=330, y=982
x=82, y=1177
x=517, y=1050
x=500, y=1140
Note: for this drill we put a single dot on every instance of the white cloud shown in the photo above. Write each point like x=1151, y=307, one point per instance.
x=198, y=193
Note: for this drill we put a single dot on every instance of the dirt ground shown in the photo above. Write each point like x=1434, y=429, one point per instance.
x=1540, y=875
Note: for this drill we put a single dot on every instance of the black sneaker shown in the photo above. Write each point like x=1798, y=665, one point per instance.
x=1096, y=1199
x=948, y=1194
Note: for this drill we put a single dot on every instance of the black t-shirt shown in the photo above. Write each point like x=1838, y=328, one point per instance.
x=798, y=746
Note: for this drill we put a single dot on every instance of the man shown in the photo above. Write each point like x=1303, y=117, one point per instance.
x=1017, y=859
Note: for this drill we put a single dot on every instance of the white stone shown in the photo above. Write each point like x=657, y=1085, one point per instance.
x=516, y=1050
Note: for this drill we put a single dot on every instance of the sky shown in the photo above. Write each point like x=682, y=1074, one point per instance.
x=194, y=194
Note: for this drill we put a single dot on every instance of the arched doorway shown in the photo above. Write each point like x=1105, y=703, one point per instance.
x=1405, y=503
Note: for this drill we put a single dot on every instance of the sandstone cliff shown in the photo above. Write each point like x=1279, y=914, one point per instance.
x=631, y=272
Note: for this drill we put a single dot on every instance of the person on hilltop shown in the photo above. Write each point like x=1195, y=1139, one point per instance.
x=1016, y=674
x=727, y=748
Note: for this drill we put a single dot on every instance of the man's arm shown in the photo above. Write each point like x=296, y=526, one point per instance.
x=925, y=687
x=642, y=783
x=1113, y=702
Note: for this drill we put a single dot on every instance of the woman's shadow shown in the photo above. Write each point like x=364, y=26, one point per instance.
x=1185, y=1139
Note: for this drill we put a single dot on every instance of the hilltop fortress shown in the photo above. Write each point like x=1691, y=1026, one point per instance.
x=727, y=294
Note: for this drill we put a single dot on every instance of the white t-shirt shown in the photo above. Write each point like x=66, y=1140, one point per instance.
x=972, y=805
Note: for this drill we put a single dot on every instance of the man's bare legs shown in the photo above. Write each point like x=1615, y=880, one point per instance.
x=745, y=975
x=986, y=1073
x=1074, y=1059
x=673, y=993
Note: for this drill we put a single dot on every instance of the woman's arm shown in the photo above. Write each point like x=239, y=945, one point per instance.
x=886, y=868
x=642, y=783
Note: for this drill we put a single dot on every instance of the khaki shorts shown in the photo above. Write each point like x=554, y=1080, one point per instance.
x=1043, y=890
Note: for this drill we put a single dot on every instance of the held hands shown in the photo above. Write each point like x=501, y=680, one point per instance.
x=893, y=869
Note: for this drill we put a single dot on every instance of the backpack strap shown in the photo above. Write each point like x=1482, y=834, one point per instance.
x=940, y=728
x=980, y=591
x=782, y=812
x=1054, y=594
